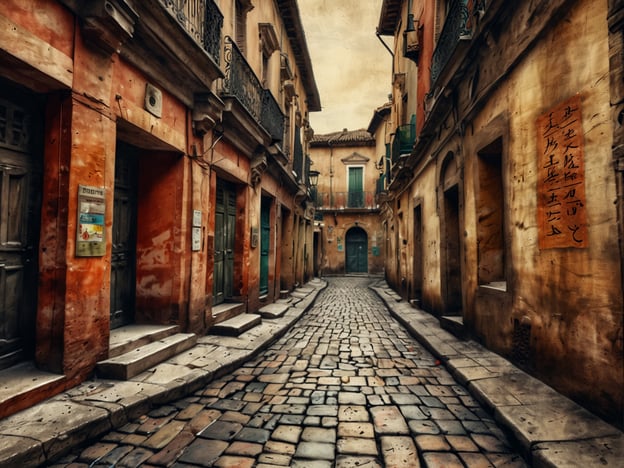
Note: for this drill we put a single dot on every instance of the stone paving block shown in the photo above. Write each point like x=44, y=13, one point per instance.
x=352, y=413
x=203, y=419
x=250, y=434
x=135, y=458
x=423, y=427
x=388, y=420
x=274, y=459
x=411, y=412
x=95, y=452
x=356, y=446
x=399, y=452
x=442, y=460
x=351, y=461
x=221, y=430
x=351, y=398
x=203, y=452
x=427, y=443
x=164, y=435
x=475, y=460
x=311, y=464
x=356, y=429
x=462, y=443
x=273, y=446
x=228, y=461
x=322, y=410
x=173, y=450
x=288, y=434
x=319, y=434
x=113, y=457
x=315, y=451
x=489, y=443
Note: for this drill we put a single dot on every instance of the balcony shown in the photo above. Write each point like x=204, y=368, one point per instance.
x=242, y=84
x=201, y=19
x=457, y=27
x=271, y=117
x=403, y=140
x=345, y=201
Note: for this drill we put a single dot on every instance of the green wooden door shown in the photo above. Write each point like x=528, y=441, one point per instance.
x=225, y=230
x=123, y=254
x=357, y=251
x=20, y=186
x=356, y=187
x=265, y=243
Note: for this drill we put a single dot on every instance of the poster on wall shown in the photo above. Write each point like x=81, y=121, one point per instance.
x=91, y=227
x=561, y=203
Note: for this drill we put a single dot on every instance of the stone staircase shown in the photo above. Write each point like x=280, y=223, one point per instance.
x=135, y=348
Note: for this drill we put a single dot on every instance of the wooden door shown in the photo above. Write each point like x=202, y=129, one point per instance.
x=19, y=226
x=123, y=256
x=265, y=244
x=225, y=230
x=356, y=187
x=357, y=251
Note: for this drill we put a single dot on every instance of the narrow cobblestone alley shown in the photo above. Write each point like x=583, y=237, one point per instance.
x=346, y=387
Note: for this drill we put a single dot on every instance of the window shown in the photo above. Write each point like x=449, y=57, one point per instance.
x=490, y=208
x=356, y=187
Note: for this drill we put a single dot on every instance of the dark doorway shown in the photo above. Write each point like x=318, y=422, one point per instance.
x=357, y=251
x=123, y=256
x=20, y=186
x=417, y=255
x=453, y=299
x=265, y=244
x=225, y=229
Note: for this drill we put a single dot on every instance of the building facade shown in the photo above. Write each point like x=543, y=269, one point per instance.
x=152, y=164
x=347, y=227
x=504, y=215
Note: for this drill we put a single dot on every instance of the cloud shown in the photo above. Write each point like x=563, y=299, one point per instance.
x=351, y=67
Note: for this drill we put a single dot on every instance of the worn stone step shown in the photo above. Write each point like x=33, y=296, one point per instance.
x=134, y=362
x=454, y=324
x=236, y=325
x=227, y=310
x=272, y=311
x=133, y=336
x=22, y=386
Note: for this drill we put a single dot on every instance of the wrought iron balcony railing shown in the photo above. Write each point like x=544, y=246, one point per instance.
x=242, y=83
x=240, y=80
x=457, y=27
x=201, y=19
x=345, y=200
x=403, y=140
x=271, y=117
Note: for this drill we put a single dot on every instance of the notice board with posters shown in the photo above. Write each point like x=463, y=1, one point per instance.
x=561, y=202
x=90, y=240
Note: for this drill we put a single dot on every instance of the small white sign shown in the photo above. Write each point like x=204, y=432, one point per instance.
x=197, y=218
x=196, y=239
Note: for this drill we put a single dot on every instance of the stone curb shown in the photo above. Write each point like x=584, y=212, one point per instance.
x=550, y=429
x=44, y=432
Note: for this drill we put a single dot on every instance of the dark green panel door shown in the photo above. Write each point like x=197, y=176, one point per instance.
x=356, y=187
x=19, y=225
x=265, y=243
x=357, y=251
x=123, y=256
x=225, y=230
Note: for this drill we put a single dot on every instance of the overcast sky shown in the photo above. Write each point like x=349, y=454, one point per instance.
x=352, y=68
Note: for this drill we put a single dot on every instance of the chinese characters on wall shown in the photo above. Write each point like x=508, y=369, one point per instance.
x=561, y=203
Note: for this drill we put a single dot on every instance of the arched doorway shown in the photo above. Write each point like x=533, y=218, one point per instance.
x=357, y=251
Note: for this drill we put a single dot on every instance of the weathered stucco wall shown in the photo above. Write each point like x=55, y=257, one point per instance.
x=571, y=298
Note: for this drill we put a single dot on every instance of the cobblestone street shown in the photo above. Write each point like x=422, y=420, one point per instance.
x=347, y=386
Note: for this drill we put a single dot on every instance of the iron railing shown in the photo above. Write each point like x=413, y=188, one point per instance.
x=271, y=117
x=345, y=200
x=457, y=27
x=240, y=80
x=201, y=19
